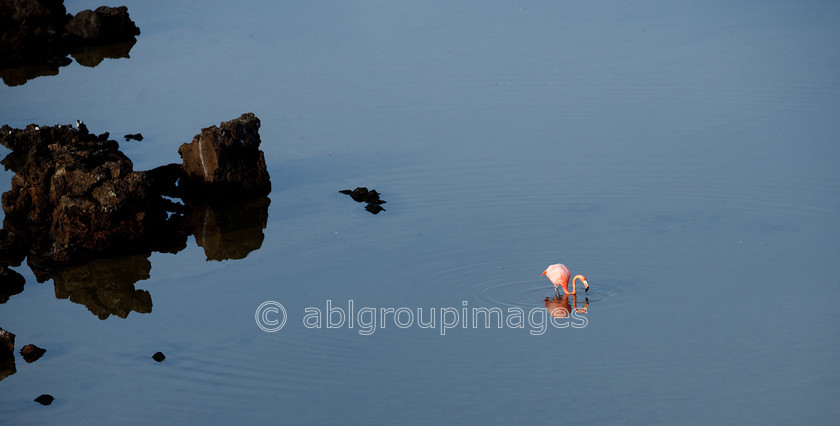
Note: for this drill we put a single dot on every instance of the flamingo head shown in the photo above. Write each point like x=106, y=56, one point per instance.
x=585, y=284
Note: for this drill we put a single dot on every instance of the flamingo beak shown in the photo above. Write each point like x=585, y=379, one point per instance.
x=585, y=286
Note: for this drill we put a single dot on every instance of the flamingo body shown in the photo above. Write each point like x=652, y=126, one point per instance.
x=559, y=275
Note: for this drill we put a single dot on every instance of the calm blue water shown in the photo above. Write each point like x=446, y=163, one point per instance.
x=681, y=155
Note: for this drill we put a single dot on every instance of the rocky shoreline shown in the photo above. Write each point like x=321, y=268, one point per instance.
x=36, y=36
x=75, y=195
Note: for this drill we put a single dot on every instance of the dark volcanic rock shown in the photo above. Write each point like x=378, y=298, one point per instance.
x=80, y=215
x=164, y=179
x=101, y=25
x=7, y=354
x=80, y=194
x=31, y=353
x=134, y=136
x=159, y=356
x=14, y=244
x=45, y=399
x=37, y=35
x=7, y=344
x=11, y=283
x=226, y=161
x=32, y=31
x=362, y=195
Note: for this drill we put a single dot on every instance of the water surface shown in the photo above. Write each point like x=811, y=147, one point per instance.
x=682, y=156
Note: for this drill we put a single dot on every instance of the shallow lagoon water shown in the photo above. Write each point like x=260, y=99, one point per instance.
x=681, y=156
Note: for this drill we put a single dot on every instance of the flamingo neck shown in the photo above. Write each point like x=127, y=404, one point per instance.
x=574, y=282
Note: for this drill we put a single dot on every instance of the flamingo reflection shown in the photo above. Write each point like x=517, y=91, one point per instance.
x=559, y=306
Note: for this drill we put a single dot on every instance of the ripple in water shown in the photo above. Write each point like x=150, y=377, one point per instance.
x=490, y=284
x=526, y=293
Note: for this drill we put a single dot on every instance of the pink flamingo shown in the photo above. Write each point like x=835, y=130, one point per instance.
x=559, y=276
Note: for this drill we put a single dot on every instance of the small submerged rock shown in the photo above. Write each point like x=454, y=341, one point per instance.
x=32, y=353
x=45, y=399
x=159, y=356
x=363, y=195
x=133, y=136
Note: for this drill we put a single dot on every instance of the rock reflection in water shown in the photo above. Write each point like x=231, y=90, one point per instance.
x=91, y=56
x=105, y=286
x=11, y=283
x=228, y=230
x=18, y=75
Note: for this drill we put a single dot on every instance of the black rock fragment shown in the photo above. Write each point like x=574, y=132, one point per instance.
x=31, y=353
x=45, y=399
x=363, y=195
